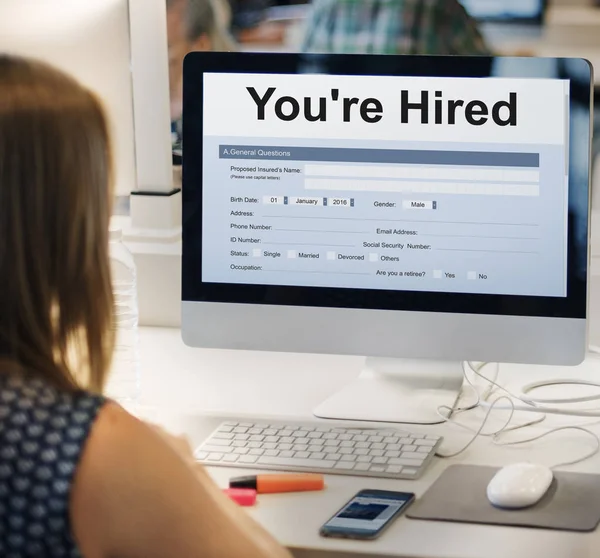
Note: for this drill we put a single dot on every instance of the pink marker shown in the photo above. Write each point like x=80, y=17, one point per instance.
x=242, y=496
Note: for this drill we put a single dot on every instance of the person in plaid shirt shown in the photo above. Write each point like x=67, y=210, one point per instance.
x=392, y=27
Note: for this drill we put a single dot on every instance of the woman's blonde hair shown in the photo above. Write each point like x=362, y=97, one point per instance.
x=56, y=302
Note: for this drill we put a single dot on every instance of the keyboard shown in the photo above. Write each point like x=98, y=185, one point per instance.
x=305, y=447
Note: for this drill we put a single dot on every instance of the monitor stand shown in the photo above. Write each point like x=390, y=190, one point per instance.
x=397, y=390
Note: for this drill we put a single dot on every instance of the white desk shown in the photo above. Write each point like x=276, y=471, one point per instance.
x=181, y=384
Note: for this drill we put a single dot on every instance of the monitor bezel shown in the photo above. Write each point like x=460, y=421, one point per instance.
x=574, y=305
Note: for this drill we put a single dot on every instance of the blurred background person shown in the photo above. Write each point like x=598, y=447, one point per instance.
x=250, y=24
x=392, y=27
x=193, y=25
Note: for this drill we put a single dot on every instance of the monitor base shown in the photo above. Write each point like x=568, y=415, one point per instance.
x=397, y=390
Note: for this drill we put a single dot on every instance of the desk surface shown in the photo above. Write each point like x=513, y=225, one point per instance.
x=184, y=389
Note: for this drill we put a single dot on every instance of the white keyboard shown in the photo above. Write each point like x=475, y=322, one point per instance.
x=369, y=452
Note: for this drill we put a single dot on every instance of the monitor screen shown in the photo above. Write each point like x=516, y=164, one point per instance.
x=507, y=10
x=419, y=184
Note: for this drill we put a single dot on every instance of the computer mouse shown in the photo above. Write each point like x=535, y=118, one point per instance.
x=519, y=485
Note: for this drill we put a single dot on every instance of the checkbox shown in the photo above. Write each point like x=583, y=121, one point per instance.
x=472, y=275
x=256, y=253
x=291, y=254
x=331, y=255
x=373, y=257
x=437, y=273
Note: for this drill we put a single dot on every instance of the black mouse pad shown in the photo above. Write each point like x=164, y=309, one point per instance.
x=571, y=504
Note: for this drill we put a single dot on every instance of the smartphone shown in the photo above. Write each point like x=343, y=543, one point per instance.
x=367, y=514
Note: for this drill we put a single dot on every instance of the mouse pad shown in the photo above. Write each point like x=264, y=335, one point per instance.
x=571, y=504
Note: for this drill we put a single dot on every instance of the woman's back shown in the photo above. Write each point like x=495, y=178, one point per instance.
x=42, y=435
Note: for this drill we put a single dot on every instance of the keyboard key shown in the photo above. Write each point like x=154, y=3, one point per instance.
x=409, y=448
x=377, y=469
x=223, y=436
x=393, y=447
x=410, y=472
x=345, y=437
x=313, y=449
x=394, y=469
x=427, y=443
x=248, y=459
x=272, y=452
x=332, y=443
x=315, y=434
x=284, y=447
x=330, y=436
x=269, y=445
x=242, y=437
x=287, y=439
x=436, y=438
x=348, y=457
x=378, y=445
x=392, y=454
x=362, y=467
x=317, y=442
x=364, y=459
x=362, y=451
x=359, y=438
x=214, y=456
x=405, y=462
x=347, y=444
x=201, y=455
x=308, y=463
x=375, y=439
x=218, y=442
x=344, y=465
x=345, y=451
x=413, y=455
x=376, y=453
x=239, y=444
x=240, y=430
x=363, y=445
x=254, y=445
x=257, y=438
x=333, y=456
x=304, y=447
x=285, y=432
x=257, y=451
x=307, y=428
x=424, y=449
x=303, y=454
x=271, y=439
x=286, y=453
x=317, y=455
x=241, y=451
x=407, y=441
x=417, y=436
x=246, y=424
x=255, y=430
x=299, y=434
x=391, y=440
x=229, y=423
x=231, y=458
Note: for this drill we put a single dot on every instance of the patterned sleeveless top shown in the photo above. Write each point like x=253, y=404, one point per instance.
x=42, y=434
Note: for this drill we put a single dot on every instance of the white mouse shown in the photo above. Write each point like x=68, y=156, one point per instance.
x=519, y=485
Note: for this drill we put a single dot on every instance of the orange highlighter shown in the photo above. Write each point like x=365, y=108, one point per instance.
x=271, y=484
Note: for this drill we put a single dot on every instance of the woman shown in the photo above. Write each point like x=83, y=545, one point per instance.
x=78, y=475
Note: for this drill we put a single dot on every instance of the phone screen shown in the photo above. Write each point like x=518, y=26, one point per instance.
x=367, y=513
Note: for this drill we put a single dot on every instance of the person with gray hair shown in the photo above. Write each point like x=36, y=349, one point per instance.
x=193, y=25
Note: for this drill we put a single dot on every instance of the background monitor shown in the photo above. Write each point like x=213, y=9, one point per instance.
x=522, y=11
x=400, y=208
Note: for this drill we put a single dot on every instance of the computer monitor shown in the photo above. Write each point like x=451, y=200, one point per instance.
x=510, y=11
x=420, y=211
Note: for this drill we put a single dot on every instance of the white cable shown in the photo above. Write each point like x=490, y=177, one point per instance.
x=559, y=382
x=554, y=431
